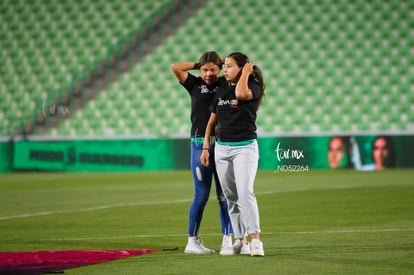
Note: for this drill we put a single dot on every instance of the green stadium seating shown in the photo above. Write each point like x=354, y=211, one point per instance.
x=329, y=66
x=47, y=42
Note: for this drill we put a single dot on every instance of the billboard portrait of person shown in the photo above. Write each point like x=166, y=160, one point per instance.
x=383, y=152
x=338, y=156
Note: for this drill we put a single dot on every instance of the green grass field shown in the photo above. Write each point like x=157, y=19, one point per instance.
x=316, y=222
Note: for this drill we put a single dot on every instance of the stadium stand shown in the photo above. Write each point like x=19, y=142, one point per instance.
x=44, y=44
x=329, y=66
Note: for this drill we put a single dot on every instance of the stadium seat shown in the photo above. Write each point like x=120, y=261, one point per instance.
x=326, y=64
x=61, y=30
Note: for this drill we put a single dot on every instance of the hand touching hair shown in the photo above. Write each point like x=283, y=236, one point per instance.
x=255, y=75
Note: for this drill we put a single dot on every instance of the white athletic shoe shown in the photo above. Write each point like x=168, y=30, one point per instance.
x=195, y=246
x=256, y=248
x=226, y=246
x=240, y=248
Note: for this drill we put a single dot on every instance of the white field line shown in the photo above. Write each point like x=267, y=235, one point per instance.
x=96, y=208
x=322, y=232
x=89, y=209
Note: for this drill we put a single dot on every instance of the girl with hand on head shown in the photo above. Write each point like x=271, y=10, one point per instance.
x=233, y=120
x=202, y=90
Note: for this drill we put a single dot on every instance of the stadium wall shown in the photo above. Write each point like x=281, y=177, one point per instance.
x=287, y=153
x=5, y=156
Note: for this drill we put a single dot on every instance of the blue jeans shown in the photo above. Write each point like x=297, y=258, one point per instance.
x=202, y=185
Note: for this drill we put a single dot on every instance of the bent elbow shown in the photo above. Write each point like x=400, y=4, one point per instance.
x=244, y=96
x=173, y=67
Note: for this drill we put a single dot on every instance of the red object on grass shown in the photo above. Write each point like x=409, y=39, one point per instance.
x=38, y=262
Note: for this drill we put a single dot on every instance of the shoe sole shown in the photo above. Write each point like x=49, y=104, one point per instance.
x=198, y=252
x=257, y=255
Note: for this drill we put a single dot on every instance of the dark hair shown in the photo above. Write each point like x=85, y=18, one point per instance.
x=391, y=160
x=212, y=57
x=257, y=76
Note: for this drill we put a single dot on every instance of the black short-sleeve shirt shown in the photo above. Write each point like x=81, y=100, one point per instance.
x=202, y=95
x=236, y=119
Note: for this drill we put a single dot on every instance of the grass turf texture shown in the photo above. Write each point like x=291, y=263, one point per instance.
x=316, y=222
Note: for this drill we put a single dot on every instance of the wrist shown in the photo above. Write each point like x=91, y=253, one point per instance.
x=205, y=148
x=196, y=66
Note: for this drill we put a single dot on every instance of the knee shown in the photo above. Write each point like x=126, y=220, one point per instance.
x=198, y=173
x=221, y=198
x=247, y=197
x=201, y=194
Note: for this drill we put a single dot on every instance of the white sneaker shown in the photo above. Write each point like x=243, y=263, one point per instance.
x=240, y=248
x=256, y=248
x=195, y=246
x=226, y=246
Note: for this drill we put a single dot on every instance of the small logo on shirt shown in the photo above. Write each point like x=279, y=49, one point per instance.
x=234, y=103
x=205, y=90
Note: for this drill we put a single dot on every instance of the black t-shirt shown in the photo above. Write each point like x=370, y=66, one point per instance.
x=236, y=119
x=202, y=95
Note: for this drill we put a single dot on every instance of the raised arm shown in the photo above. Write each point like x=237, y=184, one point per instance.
x=242, y=89
x=180, y=69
